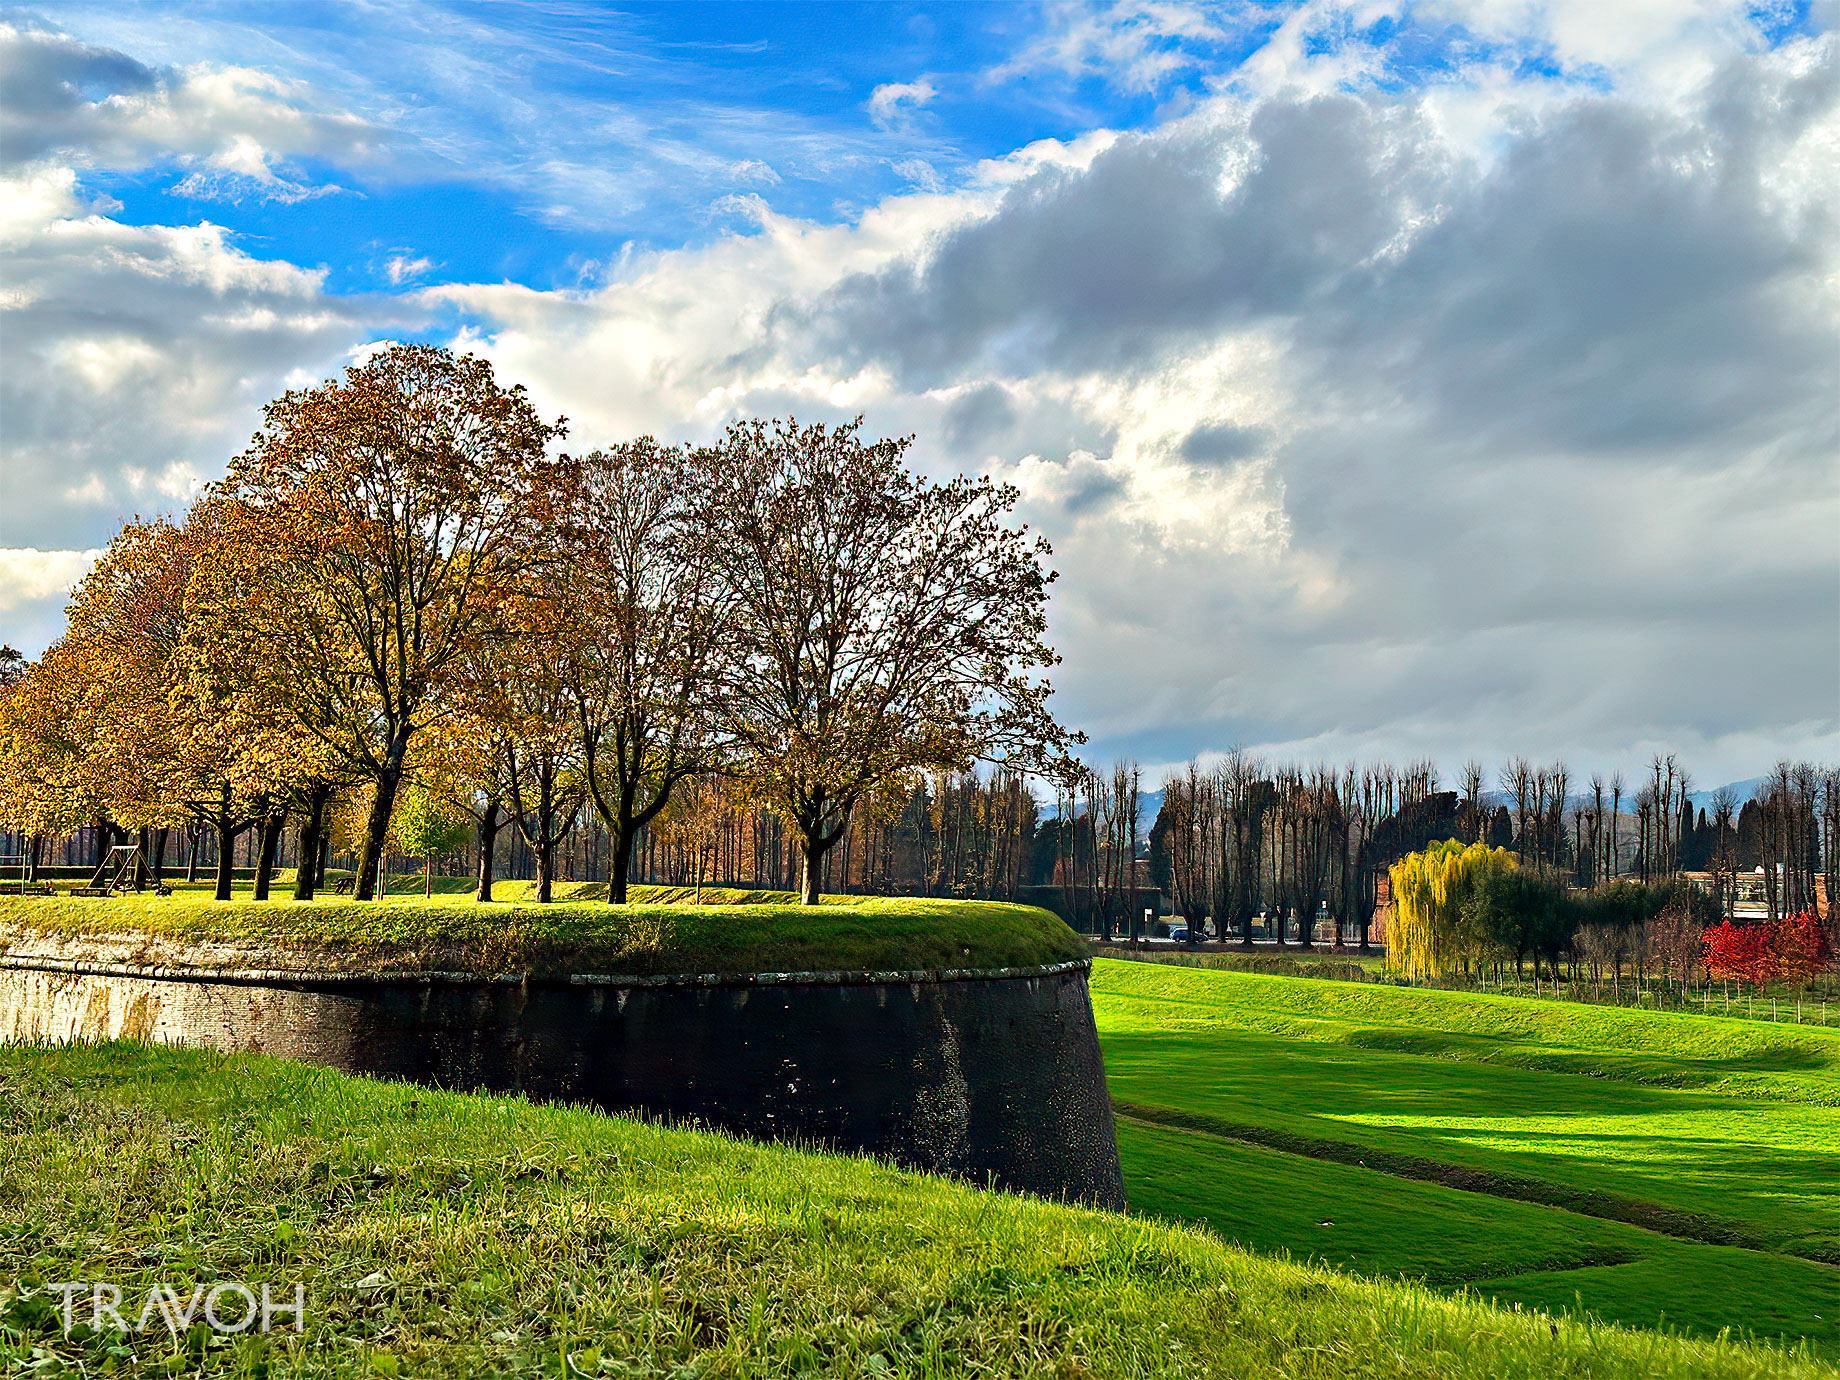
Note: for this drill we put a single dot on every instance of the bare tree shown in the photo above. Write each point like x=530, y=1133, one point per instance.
x=1475, y=815
x=1517, y=780
x=885, y=624
x=634, y=596
x=1616, y=815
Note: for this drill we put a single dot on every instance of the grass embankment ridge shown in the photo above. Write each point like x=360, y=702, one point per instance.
x=447, y=1234
x=1654, y=1217
x=1602, y=1158
x=657, y=933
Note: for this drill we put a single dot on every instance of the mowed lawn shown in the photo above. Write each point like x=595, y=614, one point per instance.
x=443, y=1234
x=1703, y=1128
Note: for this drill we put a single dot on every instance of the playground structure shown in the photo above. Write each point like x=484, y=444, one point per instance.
x=130, y=872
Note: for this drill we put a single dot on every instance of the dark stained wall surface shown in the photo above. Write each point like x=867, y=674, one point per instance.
x=994, y=1078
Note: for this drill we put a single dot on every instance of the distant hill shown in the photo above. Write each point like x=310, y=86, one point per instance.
x=1742, y=790
x=1149, y=802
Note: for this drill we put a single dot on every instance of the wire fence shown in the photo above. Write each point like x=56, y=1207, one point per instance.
x=1817, y=1004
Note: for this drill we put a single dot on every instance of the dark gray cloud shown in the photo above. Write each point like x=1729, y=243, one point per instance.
x=971, y=422
x=1143, y=251
x=50, y=86
x=1223, y=443
x=1557, y=457
x=1622, y=280
x=65, y=100
x=1618, y=278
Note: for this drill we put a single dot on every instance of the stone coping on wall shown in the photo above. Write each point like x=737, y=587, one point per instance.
x=218, y=963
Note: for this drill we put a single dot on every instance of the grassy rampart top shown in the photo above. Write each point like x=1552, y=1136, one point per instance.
x=658, y=932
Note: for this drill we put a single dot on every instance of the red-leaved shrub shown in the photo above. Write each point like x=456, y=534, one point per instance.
x=1794, y=950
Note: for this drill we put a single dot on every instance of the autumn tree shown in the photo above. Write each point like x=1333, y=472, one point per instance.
x=45, y=788
x=1743, y=953
x=466, y=759
x=245, y=760
x=693, y=822
x=381, y=522
x=545, y=781
x=148, y=727
x=883, y=623
x=635, y=599
x=125, y=626
x=1429, y=933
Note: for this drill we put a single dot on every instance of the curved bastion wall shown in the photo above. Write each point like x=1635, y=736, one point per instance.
x=988, y=1075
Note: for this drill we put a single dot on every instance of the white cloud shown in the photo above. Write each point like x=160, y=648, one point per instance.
x=1138, y=45
x=892, y=102
x=403, y=268
x=65, y=102
x=91, y=493
x=28, y=575
x=1356, y=426
x=138, y=357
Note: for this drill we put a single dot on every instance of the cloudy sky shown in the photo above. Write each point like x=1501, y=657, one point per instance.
x=1451, y=378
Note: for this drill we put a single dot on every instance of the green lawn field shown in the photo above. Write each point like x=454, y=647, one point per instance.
x=443, y=1234
x=1643, y=1166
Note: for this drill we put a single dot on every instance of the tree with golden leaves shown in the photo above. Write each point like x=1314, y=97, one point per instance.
x=538, y=720
x=1429, y=935
x=382, y=521
x=46, y=789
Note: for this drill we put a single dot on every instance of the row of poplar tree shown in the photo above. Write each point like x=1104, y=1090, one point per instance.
x=1246, y=837
x=405, y=606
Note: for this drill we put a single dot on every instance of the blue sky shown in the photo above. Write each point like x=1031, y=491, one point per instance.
x=1440, y=377
x=538, y=141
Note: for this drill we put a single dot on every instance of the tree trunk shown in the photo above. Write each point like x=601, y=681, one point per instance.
x=272, y=825
x=140, y=862
x=312, y=835
x=488, y=841
x=226, y=853
x=377, y=826
x=194, y=835
x=427, y=875
x=545, y=855
x=811, y=869
x=619, y=867
x=158, y=868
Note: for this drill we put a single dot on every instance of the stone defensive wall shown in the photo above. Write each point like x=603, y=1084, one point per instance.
x=991, y=1075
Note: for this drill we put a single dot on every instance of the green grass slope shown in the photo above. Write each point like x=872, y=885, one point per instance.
x=1482, y=1141
x=450, y=1235
x=656, y=933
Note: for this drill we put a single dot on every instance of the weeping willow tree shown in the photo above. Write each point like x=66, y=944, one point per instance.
x=1428, y=935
